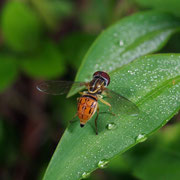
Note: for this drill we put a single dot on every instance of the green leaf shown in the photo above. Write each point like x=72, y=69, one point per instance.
x=74, y=47
x=53, y=11
x=21, y=27
x=159, y=164
x=151, y=82
x=157, y=158
x=8, y=71
x=163, y=161
x=130, y=38
x=47, y=63
x=172, y=6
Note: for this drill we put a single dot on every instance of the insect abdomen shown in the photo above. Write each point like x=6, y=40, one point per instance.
x=86, y=108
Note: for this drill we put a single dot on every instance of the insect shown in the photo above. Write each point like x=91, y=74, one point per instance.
x=87, y=104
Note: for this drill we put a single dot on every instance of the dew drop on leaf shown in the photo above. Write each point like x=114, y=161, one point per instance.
x=103, y=164
x=115, y=34
x=85, y=175
x=141, y=138
x=121, y=42
x=111, y=126
x=134, y=115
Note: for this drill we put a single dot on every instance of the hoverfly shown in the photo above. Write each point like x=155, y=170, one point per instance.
x=87, y=104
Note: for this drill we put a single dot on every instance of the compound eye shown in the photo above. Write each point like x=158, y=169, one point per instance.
x=106, y=76
x=97, y=73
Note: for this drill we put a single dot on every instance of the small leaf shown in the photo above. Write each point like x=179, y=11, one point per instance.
x=8, y=71
x=21, y=27
x=153, y=84
x=172, y=6
x=48, y=63
x=128, y=39
x=53, y=11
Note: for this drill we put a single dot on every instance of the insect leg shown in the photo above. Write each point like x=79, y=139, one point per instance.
x=96, y=119
x=107, y=104
x=83, y=93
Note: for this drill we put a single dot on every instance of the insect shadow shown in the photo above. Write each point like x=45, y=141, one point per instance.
x=74, y=124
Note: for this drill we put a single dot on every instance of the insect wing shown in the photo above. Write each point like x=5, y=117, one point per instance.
x=120, y=104
x=59, y=87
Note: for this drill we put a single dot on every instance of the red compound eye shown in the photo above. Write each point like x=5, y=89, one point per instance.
x=106, y=76
x=97, y=73
x=102, y=74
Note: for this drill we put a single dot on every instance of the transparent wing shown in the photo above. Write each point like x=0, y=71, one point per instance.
x=59, y=87
x=120, y=104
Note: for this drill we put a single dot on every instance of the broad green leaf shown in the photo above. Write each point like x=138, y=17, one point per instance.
x=47, y=63
x=153, y=84
x=128, y=39
x=21, y=27
x=157, y=158
x=8, y=71
x=172, y=6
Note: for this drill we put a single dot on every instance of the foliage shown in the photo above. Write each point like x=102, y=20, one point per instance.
x=21, y=35
x=154, y=93
x=125, y=41
x=172, y=6
x=53, y=39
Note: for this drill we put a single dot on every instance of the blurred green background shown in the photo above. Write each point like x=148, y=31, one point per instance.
x=47, y=39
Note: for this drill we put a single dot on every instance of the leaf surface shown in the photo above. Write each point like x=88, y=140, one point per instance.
x=172, y=6
x=21, y=27
x=8, y=71
x=47, y=63
x=153, y=84
x=125, y=41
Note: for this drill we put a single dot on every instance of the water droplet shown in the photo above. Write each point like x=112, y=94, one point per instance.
x=121, y=43
x=141, y=138
x=134, y=115
x=103, y=164
x=85, y=175
x=115, y=34
x=111, y=126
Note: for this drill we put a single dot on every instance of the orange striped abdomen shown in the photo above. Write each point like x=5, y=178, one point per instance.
x=86, y=108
